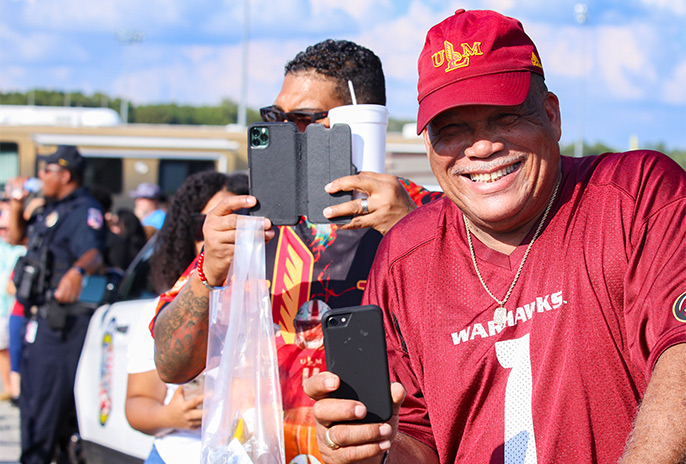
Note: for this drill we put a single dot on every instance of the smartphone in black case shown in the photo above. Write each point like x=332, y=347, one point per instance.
x=355, y=345
x=272, y=159
x=289, y=169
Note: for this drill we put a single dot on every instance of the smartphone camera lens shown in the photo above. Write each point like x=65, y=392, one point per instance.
x=333, y=321
x=259, y=137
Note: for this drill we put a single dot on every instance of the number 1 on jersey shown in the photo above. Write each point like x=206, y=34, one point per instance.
x=520, y=442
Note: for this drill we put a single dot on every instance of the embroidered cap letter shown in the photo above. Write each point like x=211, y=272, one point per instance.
x=455, y=59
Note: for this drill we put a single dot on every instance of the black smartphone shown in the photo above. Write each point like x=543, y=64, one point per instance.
x=289, y=169
x=355, y=344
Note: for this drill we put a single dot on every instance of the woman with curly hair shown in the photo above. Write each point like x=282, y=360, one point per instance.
x=180, y=239
x=171, y=412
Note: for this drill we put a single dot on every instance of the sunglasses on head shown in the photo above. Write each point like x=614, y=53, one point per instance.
x=197, y=221
x=300, y=118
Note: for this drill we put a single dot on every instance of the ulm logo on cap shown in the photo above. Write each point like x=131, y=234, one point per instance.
x=679, y=308
x=455, y=59
x=535, y=61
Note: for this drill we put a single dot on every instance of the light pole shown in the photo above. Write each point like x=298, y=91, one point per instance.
x=581, y=14
x=127, y=38
x=242, y=105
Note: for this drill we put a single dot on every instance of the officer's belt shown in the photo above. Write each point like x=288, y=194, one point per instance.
x=74, y=309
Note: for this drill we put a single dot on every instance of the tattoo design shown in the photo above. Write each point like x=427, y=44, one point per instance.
x=181, y=336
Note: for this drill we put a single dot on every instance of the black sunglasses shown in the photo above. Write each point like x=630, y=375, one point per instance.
x=197, y=221
x=301, y=118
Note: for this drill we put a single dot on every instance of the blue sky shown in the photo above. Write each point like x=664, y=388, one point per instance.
x=621, y=73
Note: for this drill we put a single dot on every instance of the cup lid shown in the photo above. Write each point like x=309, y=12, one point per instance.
x=363, y=113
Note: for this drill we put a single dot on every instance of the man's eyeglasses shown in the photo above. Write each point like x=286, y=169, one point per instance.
x=56, y=169
x=301, y=118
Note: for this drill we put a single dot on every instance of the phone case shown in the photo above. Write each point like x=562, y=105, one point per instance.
x=288, y=175
x=329, y=156
x=356, y=352
x=273, y=174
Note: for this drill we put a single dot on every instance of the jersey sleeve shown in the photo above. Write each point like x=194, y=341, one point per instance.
x=419, y=194
x=169, y=296
x=656, y=278
x=414, y=416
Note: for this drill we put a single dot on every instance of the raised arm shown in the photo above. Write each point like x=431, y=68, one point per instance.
x=659, y=434
x=181, y=333
x=17, y=223
x=181, y=327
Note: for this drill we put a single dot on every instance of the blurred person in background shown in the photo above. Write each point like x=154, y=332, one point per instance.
x=8, y=259
x=148, y=206
x=117, y=252
x=66, y=241
x=166, y=410
x=33, y=204
x=176, y=245
x=127, y=225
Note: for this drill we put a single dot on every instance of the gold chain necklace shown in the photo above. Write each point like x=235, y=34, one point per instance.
x=500, y=313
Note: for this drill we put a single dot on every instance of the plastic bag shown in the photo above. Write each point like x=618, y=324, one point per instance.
x=242, y=411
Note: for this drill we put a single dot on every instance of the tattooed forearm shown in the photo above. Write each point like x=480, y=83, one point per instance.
x=181, y=336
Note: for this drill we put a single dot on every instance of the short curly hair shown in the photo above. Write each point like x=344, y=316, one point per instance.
x=175, y=248
x=342, y=60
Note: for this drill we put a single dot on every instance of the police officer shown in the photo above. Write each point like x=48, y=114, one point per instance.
x=65, y=242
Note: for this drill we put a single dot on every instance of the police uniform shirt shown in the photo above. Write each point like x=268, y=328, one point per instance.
x=73, y=225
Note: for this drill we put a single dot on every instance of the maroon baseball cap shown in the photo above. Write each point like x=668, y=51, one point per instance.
x=476, y=57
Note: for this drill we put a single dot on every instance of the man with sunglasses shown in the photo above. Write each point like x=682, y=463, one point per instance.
x=66, y=241
x=310, y=266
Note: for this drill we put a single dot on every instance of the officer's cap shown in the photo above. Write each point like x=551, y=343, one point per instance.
x=68, y=157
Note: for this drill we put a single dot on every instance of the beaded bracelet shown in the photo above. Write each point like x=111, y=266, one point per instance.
x=201, y=273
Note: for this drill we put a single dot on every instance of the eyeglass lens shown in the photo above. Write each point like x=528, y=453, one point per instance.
x=301, y=118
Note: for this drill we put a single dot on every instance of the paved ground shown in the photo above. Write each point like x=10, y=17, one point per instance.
x=9, y=432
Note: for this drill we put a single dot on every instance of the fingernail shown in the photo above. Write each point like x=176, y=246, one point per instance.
x=385, y=430
x=384, y=445
x=327, y=186
x=360, y=411
x=330, y=383
x=327, y=212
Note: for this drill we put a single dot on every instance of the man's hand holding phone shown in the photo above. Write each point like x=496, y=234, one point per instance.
x=387, y=201
x=341, y=440
x=219, y=231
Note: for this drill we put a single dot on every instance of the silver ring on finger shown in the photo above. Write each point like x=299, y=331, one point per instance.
x=365, y=206
x=329, y=442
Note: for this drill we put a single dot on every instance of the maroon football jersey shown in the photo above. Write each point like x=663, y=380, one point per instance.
x=594, y=307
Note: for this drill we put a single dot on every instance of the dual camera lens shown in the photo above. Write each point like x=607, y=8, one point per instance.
x=335, y=320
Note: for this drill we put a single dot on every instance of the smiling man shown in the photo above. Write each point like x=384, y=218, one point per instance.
x=531, y=311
